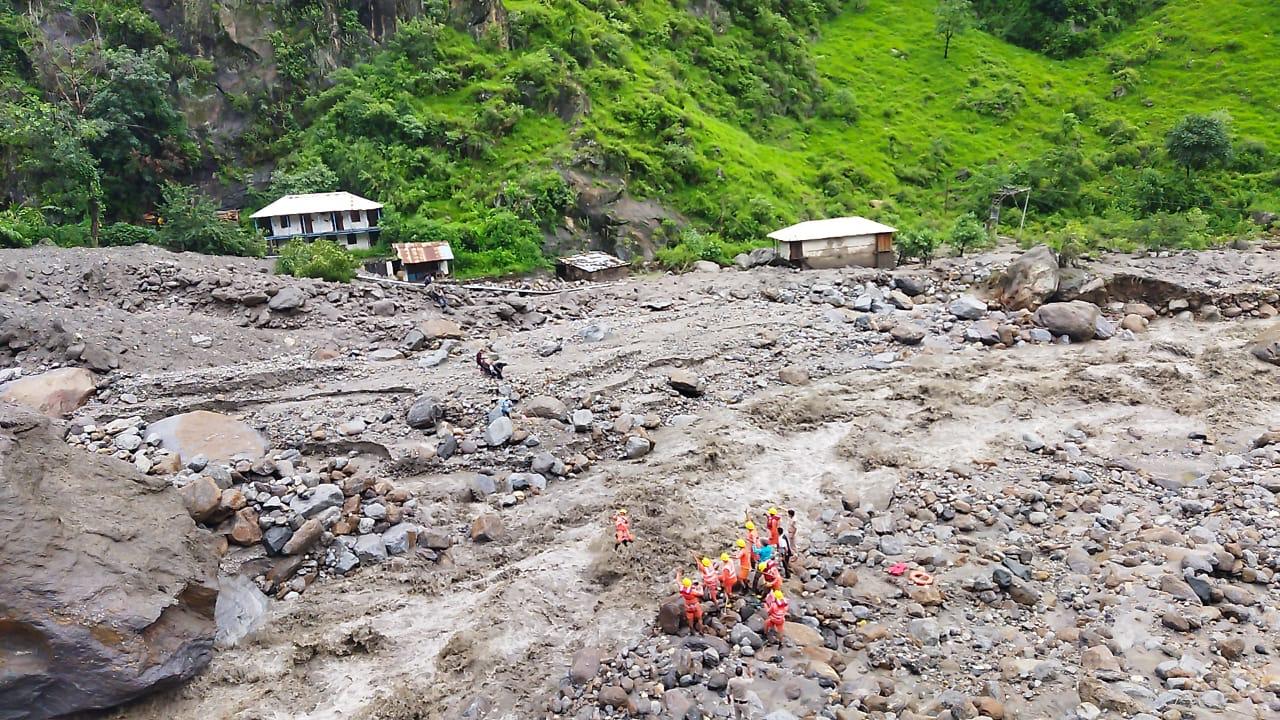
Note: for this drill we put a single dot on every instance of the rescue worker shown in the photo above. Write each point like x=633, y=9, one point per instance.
x=784, y=553
x=710, y=580
x=776, y=606
x=768, y=571
x=692, y=597
x=621, y=529
x=744, y=562
x=753, y=538
x=728, y=577
x=773, y=523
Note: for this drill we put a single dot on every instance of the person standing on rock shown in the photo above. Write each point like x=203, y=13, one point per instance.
x=753, y=539
x=710, y=579
x=773, y=524
x=744, y=562
x=622, y=536
x=692, y=597
x=784, y=554
x=739, y=692
x=728, y=577
x=776, y=606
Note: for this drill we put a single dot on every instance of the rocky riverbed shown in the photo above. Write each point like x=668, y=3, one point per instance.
x=1085, y=460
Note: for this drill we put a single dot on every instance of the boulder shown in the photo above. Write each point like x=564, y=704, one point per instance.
x=487, y=527
x=438, y=328
x=203, y=499
x=911, y=285
x=546, y=407
x=383, y=308
x=499, y=432
x=244, y=528
x=304, y=537
x=288, y=299
x=582, y=420
x=794, y=375
x=370, y=549
x=1266, y=347
x=400, y=537
x=216, y=436
x=316, y=500
x=706, y=266
x=1077, y=319
x=109, y=586
x=908, y=333
x=56, y=393
x=1029, y=280
x=276, y=538
x=685, y=382
x=586, y=663
x=967, y=307
x=424, y=413
x=1134, y=323
x=637, y=447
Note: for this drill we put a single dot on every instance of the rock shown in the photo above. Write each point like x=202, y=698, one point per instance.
x=482, y=486
x=370, y=549
x=613, y=695
x=706, y=266
x=637, y=447
x=56, y=393
x=400, y=537
x=316, y=500
x=1134, y=323
x=352, y=428
x=499, y=432
x=908, y=333
x=203, y=499
x=685, y=382
x=545, y=463
x=1077, y=319
x=593, y=333
x=586, y=663
x=437, y=356
x=911, y=285
x=447, y=447
x=109, y=586
x=244, y=528
x=288, y=299
x=307, y=535
x=793, y=375
x=671, y=614
x=527, y=481
x=582, y=420
x=424, y=413
x=1029, y=280
x=344, y=560
x=1099, y=657
x=275, y=538
x=549, y=348
x=487, y=527
x=1142, y=310
x=442, y=328
x=546, y=407
x=386, y=355
x=216, y=436
x=1104, y=330
x=986, y=332
x=383, y=308
x=412, y=341
x=967, y=307
x=1266, y=346
x=1106, y=697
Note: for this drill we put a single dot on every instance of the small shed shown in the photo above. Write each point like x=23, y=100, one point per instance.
x=596, y=266
x=418, y=260
x=837, y=242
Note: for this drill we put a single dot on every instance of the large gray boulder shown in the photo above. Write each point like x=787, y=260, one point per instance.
x=317, y=500
x=213, y=435
x=424, y=413
x=968, y=307
x=109, y=587
x=288, y=299
x=1266, y=347
x=1077, y=319
x=1029, y=280
x=545, y=406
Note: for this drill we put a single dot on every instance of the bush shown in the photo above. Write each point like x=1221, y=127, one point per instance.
x=119, y=234
x=190, y=224
x=967, y=234
x=918, y=245
x=322, y=259
x=841, y=104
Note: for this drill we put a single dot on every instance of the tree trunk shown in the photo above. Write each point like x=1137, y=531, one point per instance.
x=946, y=49
x=95, y=220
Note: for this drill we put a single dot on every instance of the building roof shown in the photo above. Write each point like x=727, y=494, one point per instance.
x=316, y=203
x=593, y=261
x=413, y=253
x=830, y=228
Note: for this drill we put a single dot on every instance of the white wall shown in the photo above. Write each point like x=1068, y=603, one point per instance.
x=841, y=252
x=322, y=223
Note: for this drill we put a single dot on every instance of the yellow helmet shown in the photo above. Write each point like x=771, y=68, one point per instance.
x=773, y=511
x=777, y=594
x=686, y=582
x=706, y=562
x=622, y=511
x=724, y=557
x=761, y=567
x=741, y=543
x=751, y=525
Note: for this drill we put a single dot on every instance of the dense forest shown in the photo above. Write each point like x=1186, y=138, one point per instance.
x=516, y=129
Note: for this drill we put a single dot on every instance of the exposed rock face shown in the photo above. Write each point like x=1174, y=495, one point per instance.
x=1028, y=281
x=213, y=435
x=56, y=393
x=109, y=587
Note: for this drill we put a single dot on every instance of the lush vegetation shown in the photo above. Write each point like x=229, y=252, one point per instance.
x=321, y=259
x=1158, y=130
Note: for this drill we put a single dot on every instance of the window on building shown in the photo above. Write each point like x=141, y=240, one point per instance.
x=284, y=221
x=355, y=216
x=351, y=239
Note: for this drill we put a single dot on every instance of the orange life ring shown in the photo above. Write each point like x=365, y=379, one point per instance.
x=920, y=577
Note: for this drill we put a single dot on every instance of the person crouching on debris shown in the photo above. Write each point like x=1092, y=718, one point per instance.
x=728, y=577
x=692, y=597
x=768, y=572
x=621, y=530
x=776, y=606
x=489, y=367
x=710, y=579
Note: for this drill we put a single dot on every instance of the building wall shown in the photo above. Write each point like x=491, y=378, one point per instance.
x=841, y=252
x=324, y=222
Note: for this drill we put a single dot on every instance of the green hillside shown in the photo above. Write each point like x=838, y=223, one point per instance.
x=720, y=120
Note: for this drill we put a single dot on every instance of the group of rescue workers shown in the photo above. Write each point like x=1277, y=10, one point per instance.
x=755, y=564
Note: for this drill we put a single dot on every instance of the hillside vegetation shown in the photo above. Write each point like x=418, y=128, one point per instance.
x=715, y=122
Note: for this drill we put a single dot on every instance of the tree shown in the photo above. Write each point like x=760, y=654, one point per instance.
x=189, y=223
x=918, y=245
x=309, y=177
x=321, y=259
x=967, y=233
x=1199, y=141
x=953, y=18
x=43, y=148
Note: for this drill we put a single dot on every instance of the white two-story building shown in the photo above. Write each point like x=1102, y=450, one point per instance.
x=349, y=220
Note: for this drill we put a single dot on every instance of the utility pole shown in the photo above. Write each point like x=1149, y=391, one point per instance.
x=997, y=202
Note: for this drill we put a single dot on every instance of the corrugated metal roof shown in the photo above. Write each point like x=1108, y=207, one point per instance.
x=412, y=253
x=830, y=228
x=316, y=203
x=593, y=261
